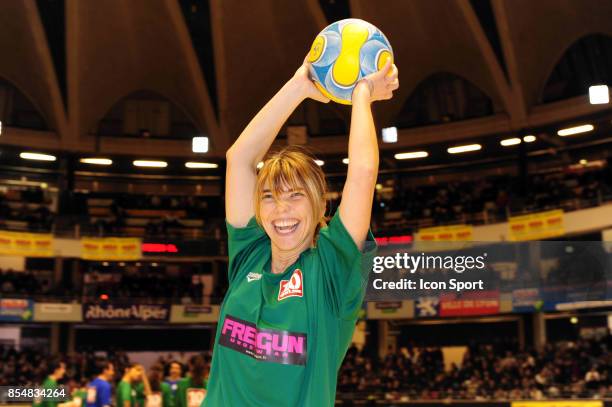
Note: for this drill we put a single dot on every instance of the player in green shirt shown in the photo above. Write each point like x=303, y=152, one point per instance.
x=79, y=395
x=192, y=389
x=133, y=387
x=161, y=393
x=56, y=369
x=296, y=284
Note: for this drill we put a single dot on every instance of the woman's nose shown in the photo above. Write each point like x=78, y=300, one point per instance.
x=282, y=205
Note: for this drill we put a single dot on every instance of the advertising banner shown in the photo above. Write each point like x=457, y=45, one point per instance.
x=194, y=314
x=453, y=233
x=535, y=226
x=57, y=312
x=426, y=307
x=482, y=303
x=558, y=403
x=113, y=312
x=16, y=309
x=26, y=244
x=111, y=248
x=526, y=300
x=390, y=310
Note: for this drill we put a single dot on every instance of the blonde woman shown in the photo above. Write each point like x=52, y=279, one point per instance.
x=296, y=283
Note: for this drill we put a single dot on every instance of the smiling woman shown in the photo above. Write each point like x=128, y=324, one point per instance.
x=296, y=282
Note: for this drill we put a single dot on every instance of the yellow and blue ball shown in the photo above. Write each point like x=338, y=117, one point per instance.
x=345, y=52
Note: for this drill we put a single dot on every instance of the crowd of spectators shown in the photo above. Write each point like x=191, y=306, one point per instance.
x=488, y=372
x=28, y=284
x=568, y=369
x=495, y=198
x=146, y=285
x=472, y=200
x=193, y=207
x=30, y=206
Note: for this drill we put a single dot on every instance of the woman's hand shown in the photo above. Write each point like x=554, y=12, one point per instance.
x=305, y=85
x=378, y=85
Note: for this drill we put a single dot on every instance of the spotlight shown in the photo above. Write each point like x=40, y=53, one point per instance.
x=97, y=161
x=510, y=142
x=464, y=149
x=575, y=130
x=389, y=135
x=153, y=164
x=599, y=95
x=193, y=164
x=199, y=145
x=37, y=156
x=411, y=155
x=529, y=138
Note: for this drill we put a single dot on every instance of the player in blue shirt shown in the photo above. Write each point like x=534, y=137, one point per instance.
x=99, y=389
x=175, y=375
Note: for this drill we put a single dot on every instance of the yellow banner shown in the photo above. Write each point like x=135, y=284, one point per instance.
x=541, y=225
x=453, y=233
x=111, y=248
x=558, y=403
x=26, y=244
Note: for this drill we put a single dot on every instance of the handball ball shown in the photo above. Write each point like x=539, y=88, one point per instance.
x=345, y=52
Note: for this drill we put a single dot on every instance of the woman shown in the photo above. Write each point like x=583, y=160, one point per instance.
x=192, y=389
x=161, y=394
x=295, y=283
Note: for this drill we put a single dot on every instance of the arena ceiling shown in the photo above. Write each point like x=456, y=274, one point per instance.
x=219, y=61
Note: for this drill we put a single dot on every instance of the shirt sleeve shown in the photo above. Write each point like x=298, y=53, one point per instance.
x=345, y=268
x=241, y=242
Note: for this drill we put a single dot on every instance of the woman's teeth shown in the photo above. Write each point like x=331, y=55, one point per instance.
x=285, y=227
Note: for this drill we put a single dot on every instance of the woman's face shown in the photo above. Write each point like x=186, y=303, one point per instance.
x=287, y=221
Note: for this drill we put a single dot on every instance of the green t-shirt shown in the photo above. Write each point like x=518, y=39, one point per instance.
x=282, y=337
x=125, y=392
x=190, y=394
x=139, y=397
x=79, y=397
x=160, y=398
x=51, y=384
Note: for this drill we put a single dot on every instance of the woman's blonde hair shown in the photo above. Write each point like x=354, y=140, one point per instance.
x=293, y=167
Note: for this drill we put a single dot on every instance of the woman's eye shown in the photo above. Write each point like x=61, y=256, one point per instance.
x=266, y=197
x=297, y=195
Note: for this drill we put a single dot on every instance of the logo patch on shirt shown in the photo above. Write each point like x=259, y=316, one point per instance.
x=264, y=345
x=292, y=287
x=253, y=277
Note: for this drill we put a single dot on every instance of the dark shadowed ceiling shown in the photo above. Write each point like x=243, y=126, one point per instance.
x=468, y=68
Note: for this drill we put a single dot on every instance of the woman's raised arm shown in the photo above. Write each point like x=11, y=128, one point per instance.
x=256, y=139
x=356, y=204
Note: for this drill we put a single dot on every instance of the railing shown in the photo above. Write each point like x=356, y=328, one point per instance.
x=79, y=298
x=394, y=221
x=385, y=222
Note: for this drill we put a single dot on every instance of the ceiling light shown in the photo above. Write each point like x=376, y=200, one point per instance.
x=583, y=162
x=510, y=142
x=199, y=145
x=155, y=164
x=529, y=138
x=410, y=155
x=575, y=130
x=37, y=156
x=194, y=164
x=389, y=135
x=599, y=95
x=97, y=161
x=345, y=161
x=464, y=149
x=320, y=162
